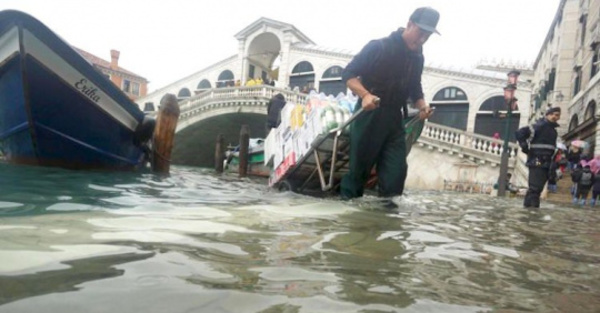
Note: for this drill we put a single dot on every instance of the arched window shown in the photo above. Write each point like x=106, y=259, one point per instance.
x=204, y=84
x=303, y=76
x=450, y=94
x=495, y=104
x=184, y=93
x=451, y=108
x=303, y=67
x=574, y=122
x=333, y=72
x=331, y=83
x=148, y=106
x=225, y=75
x=590, y=111
x=225, y=79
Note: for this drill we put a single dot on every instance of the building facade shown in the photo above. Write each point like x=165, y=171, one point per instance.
x=566, y=72
x=133, y=85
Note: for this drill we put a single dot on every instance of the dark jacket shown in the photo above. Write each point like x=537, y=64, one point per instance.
x=596, y=186
x=586, y=179
x=576, y=174
x=539, y=142
x=389, y=70
x=574, y=156
x=274, y=110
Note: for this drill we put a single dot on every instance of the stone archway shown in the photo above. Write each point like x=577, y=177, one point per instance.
x=262, y=55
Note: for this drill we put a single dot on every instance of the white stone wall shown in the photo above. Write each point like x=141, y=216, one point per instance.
x=427, y=169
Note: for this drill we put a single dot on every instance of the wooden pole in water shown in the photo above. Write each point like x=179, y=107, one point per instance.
x=219, y=153
x=164, y=134
x=244, y=143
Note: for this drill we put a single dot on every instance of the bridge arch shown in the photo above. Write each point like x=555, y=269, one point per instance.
x=211, y=110
x=263, y=50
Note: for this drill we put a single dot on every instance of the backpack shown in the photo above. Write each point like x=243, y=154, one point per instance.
x=586, y=179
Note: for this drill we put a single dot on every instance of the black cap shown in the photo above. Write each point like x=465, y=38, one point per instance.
x=552, y=110
x=426, y=18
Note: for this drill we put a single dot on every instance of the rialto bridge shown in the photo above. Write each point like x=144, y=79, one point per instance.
x=469, y=103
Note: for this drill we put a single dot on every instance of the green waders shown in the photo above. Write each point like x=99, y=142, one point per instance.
x=377, y=137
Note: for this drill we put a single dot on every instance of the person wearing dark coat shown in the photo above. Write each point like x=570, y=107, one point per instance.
x=274, y=111
x=595, y=190
x=539, y=143
x=573, y=156
x=384, y=74
x=585, y=181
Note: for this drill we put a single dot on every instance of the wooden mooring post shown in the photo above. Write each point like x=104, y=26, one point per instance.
x=219, y=153
x=164, y=134
x=244, y=145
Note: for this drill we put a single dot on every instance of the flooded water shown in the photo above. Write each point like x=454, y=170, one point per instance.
x=195, y=242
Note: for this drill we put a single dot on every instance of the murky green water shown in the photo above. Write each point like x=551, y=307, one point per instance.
x=194, y=242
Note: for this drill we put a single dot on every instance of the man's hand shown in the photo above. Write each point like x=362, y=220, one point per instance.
x=370, y=102
x=425, y=112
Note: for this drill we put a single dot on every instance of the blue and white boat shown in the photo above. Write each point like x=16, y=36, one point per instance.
x=56, y=109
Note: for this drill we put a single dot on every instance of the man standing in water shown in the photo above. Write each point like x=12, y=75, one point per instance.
x=539, y=143
x=384, y=75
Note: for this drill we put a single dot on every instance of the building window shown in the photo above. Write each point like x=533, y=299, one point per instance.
x=126, y=85
x=595, y=59
x=333, y=72
x=251, y=70
x=135, y=89
x=450, y=93
x=303, y=67
x=583, y=22
x=577, y=82
x=590, y=111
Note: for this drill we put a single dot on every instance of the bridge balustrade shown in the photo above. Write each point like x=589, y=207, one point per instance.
x=476, y=147
x=459, y=141
x=264, y=93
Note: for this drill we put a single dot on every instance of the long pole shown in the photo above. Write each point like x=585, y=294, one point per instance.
x=505, y=155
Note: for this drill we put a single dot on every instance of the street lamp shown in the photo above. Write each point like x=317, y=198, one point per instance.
x=511, y=103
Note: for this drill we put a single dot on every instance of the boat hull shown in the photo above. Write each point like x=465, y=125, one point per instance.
x=56, y=109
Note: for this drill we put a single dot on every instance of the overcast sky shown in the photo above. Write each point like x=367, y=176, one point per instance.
x=164, y=41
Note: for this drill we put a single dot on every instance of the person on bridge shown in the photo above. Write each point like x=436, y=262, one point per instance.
x=274, y=111
x=384, y=74
x=539, y=143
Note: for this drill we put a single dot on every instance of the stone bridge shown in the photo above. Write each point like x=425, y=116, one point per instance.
x=215, y=102
x=447, y=153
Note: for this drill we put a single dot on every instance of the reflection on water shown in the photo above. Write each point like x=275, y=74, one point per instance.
x=195, y=242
